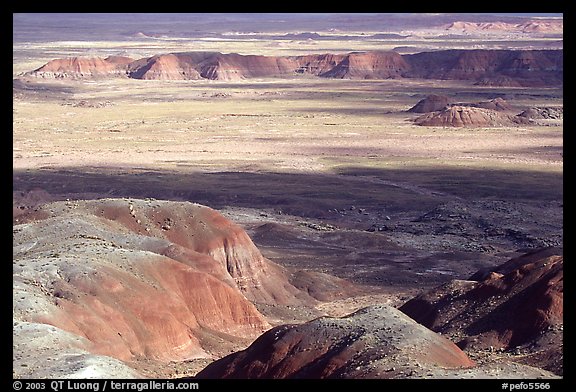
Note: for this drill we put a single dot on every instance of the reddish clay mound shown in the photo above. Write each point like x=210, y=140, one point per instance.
x=162, y=313
x=520, y=303
x=466, y=116
x=374, y=342
x=78, y=67
x=431, y=103
x=144, y=278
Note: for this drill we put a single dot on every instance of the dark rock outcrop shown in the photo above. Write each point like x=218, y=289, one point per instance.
x=543, y=113
x=523, y=67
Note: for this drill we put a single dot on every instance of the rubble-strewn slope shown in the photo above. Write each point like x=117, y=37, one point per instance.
x=374, y=342
x=516, y=307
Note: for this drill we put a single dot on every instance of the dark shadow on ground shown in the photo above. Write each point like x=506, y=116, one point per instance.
x=309, y=195
x=450, y=222
x=473, y=184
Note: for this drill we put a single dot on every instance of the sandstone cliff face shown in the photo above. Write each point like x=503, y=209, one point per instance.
x=77, y=67
x=369, y=65
x=143, y=278
x=488, y=67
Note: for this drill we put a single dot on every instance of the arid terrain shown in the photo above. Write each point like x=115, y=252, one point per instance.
x=276, y=197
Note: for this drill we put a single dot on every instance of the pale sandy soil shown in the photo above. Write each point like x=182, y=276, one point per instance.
x=297, y=125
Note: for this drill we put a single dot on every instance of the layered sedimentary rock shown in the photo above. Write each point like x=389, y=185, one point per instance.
x=524, y=67
x=467, y=116
x=172, y=66
x=369, y=65
x=80, y=67
x=490, y=67
x=142, y=278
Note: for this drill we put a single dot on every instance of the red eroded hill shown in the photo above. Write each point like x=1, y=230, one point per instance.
x=374, y=342
x=467, y=116
x=173, y=66
x=517, y=306
x=79, y=67
x=144, y=278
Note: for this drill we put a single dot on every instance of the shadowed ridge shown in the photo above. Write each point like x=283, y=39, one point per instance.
x=518, y=304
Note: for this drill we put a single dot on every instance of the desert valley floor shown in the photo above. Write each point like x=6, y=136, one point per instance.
x=161, y=225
